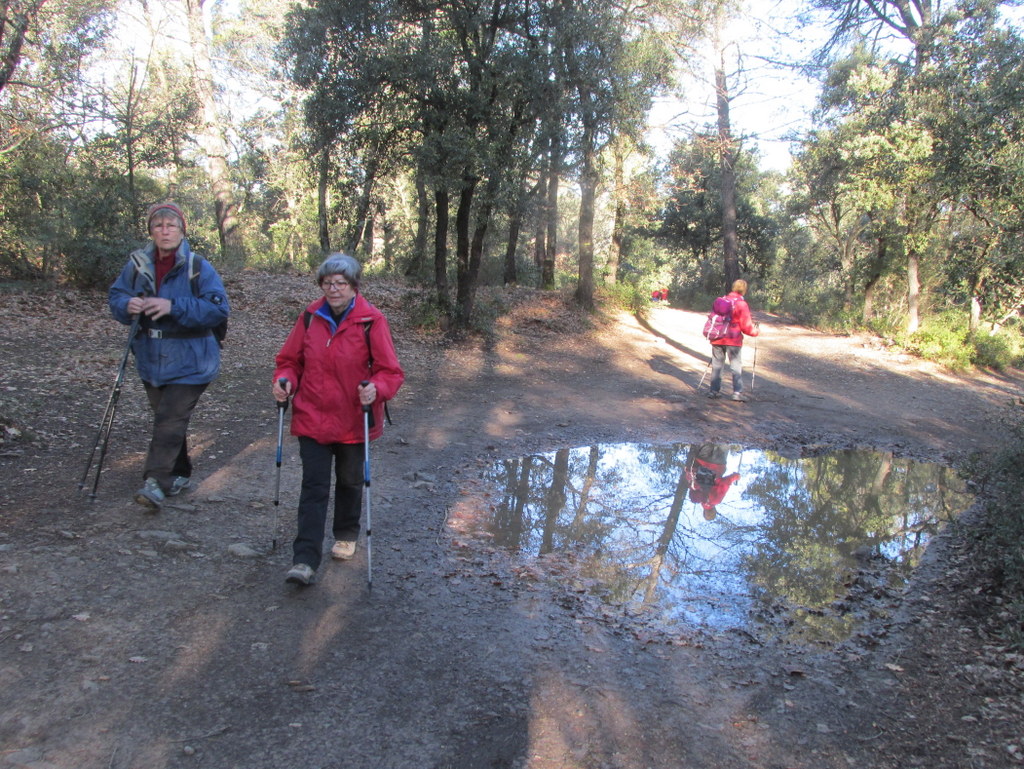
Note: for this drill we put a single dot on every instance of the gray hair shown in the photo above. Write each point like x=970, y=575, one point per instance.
x=340, y=264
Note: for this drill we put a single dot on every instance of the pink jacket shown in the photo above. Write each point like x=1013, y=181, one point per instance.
x=741, y=322
x=325, y=366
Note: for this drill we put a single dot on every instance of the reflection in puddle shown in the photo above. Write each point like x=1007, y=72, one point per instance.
x=719, y=536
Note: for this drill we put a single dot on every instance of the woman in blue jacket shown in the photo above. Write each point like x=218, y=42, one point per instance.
x=181, y=300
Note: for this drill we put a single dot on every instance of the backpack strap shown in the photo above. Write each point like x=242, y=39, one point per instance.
x=193, y=275
x=369, y=354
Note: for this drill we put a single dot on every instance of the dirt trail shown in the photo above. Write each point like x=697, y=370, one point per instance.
x=132, y=640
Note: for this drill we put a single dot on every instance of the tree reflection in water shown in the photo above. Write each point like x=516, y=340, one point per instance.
x=720, y=536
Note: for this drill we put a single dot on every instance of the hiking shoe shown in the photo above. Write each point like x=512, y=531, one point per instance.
x=342, y=550
x=300, y=574
x=178, y=484
x=150, y=495
x=714, y=394
x=739, y=397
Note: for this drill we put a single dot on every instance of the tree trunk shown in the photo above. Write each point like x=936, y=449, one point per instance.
x=515, y=223
x=14, y=28
x=441, y=251
x=540, y=240
x=611, y=275
x=364, y=207
x=913, y=292
x=464, y=280
x=323, y=169
x=547, y=278
x=727, y=154
x=419, y=250
x=588, y=192
x=369, y=233
x=211, y=138
x=554, y=500
x=975, y=322
x=872, y=282
x=668, y=531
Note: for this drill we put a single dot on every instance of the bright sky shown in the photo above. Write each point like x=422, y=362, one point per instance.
x=770, y=102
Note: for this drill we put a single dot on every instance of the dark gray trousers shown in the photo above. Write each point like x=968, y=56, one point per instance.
x=168, y=448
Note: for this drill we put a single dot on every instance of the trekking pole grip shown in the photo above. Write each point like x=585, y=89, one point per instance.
x=282, y=383
x=366, y=406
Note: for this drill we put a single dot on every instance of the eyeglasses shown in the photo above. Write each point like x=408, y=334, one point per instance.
x=335, y=285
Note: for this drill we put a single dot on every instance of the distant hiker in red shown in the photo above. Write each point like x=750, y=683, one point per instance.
x=705, y=474
x=730, y=347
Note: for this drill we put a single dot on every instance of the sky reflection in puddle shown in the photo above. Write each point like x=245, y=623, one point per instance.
x=718, y=536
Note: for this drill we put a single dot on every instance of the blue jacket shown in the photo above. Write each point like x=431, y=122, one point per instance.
x=180, y=347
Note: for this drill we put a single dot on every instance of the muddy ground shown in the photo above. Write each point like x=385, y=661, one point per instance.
x=132, y=640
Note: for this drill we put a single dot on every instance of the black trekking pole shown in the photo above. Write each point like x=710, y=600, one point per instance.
x=282, y=406
x=107, y=423
x=367, y=421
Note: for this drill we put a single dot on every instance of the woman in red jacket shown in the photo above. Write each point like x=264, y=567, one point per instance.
x=730, y=346
x=339, y=342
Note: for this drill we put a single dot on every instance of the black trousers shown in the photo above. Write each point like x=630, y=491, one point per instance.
x=168, y=447
x=318, y=461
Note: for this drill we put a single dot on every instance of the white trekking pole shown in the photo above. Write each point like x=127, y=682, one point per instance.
x=707, y=368
x=367, y=418
x=753, y=366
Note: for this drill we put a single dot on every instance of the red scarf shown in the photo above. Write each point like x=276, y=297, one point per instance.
x=162, y=266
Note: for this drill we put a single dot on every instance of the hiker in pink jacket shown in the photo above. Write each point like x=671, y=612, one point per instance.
x=730, y=347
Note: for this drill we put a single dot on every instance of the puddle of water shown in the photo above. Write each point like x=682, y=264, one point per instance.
x=718, y=536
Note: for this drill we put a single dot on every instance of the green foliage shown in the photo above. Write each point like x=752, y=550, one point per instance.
x=628, y=296
x=945, y=338
x=998, y=351
x=692, y=216
x=942, y=339
x=491, y=303
x=427, y=313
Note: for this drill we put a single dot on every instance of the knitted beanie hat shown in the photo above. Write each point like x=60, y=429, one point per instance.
x=164, y=208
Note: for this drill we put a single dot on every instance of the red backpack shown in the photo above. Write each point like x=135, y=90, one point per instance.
x=719, y=319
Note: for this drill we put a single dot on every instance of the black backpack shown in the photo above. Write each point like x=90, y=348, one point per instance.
x=220, y=331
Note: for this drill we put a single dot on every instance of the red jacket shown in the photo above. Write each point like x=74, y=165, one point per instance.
x=709, y=496
x=325, y=366
x=741, y=322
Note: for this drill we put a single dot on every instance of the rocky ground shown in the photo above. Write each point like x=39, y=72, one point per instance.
x=171, y=640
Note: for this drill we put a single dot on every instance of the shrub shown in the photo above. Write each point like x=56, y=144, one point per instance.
x=628, y=296
x=998, y=351
x=999, y=539
x=943, y=339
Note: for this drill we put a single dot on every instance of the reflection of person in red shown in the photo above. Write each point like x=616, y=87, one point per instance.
x=705, y=473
